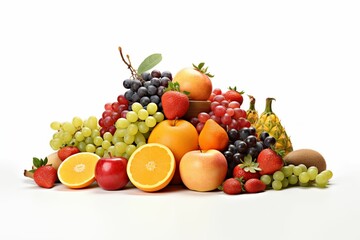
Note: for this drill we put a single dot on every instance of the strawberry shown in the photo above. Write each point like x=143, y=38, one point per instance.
x=269, y=161
x=247, y=170
x=67, y=151
x=231, y=186
x=175, y=104
x=233, y=95
x=44, y=175
x=254, y=185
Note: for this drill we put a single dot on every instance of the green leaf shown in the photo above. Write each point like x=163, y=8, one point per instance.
x=149, y=62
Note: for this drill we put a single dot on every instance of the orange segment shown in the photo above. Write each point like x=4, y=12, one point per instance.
x=151, y=167
x=78, y=170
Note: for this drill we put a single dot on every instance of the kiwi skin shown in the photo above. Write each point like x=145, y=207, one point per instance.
x=308, y=157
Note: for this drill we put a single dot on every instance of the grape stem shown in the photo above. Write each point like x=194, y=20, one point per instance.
x=128, y=64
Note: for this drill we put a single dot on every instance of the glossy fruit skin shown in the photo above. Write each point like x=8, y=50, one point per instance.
x=232, y=95
x=45, y=176
x=254, y=185
x=175, y=104
x=203, y=170
x=178, y=135
x=269, y=161
x=67, y=151
x=110, y=173
x=195, y=82
x=239, y=172
x=232, y=186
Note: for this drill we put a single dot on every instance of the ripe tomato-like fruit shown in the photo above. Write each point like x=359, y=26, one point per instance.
x=195, y=80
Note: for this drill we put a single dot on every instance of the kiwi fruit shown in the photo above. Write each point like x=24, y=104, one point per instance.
x=308, y=157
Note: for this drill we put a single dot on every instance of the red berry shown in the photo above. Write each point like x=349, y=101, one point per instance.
x=254, y=185
x=231, y=186
x=45, y=176
x=67, y=151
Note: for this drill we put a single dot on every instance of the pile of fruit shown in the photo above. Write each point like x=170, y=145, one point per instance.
x=177, y=130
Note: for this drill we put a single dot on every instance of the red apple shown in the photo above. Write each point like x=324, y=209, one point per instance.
x=203, y=170
x=110, y=173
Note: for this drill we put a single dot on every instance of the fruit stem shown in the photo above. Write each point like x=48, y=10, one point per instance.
x=128, y=64
x=28, y=174
x=268, y=108
x=252, y=102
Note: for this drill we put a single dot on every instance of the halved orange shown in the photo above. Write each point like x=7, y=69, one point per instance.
x=78, y=170
x=151, y=167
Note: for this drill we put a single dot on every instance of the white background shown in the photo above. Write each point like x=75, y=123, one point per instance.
x=59, y=59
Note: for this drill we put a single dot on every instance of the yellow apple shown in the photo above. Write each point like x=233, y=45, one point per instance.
x=203, y=170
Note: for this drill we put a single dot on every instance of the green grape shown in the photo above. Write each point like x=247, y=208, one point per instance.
x=266, y=179
x=129, y=139
x=313, y=172
x=159, y=116
x=122, y=123
x=111, y=151
x=57, y=135
x=143, y=114
x=150, y=121
x=99, y=151
x=321, y=179
x=107, y=136
x=90, y=148
x=116, y=139
x=79, y=136
x=86, y=131
x=287, y=171
x=139, y=144
x=303, y=167
x=55, y=125
x=152, y=108
x=132, y=129
x=82, y=146
x=130, y=149
x=88, y=140
x=276, y=185
x=304, y=177
x=297, y=170
x=136, y=107
x=92, y=122
x=285, y=183
x=293, y=179
x=139, y=137
x=143, y=128
x=120, y=132
x=68, y=127
x=278, y=175
x=66, y=137
x=77, y=122
x=95, y=133
x=132, y=116
x=97, y=141
x=120, y=148
x=105, y=144
x=327, y=173
x=301, y=184
x=55, y=143
x=125, y=155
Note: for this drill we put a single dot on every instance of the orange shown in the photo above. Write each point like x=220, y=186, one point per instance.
x=178, y=135
x=78, y=170
x=151, y=167
x=197, y=83
x=213, y=136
